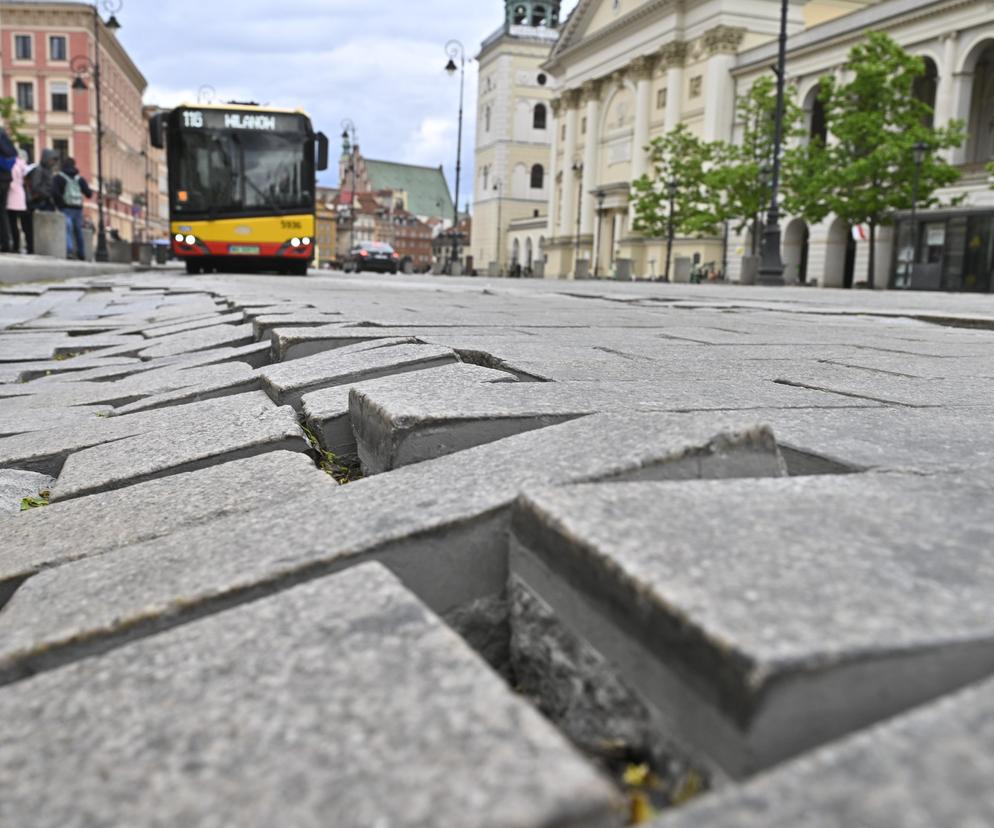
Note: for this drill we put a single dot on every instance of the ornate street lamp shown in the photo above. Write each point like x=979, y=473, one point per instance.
x=498, y=184
x=454, y=49
x=348, y=147
x=578, y=171
x=206, y=94
x=918, y=153
x=597, y=247
x=771, y=264
x=82, y=66
x=672, y=187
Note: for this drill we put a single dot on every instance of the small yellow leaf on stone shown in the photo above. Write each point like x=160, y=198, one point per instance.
x=636, y=775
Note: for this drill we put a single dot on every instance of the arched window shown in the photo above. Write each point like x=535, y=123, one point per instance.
x=486, y=178
x=539, y=116
x=538, y=16
x=520, y=15
x=538, y=177
x=486, y=118
x=926, y=87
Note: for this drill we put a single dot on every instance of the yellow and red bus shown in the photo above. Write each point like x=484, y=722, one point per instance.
x=242, y=181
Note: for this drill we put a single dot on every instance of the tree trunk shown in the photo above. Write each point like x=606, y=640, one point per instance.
x=873, y=255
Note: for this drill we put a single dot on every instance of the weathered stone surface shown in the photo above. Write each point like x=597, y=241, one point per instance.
x=441, y=526
x=260, y=427
x=762, y=619
x=88, y=526
x=157, y=331
x=22, y=417
x=288, y=382
x=326, y=412
x=294, y=343
x=14, y=487
x=341, y=702
x=219, y=336
x=924, y=769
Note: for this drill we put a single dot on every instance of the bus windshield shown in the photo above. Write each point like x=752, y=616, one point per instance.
x=225, y=172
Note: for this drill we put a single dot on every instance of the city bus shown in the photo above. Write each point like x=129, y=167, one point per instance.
x=241, y=186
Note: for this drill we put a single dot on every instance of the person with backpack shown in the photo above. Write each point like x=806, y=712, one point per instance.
x=8, y=157
x=17, y=206
x=70, y=190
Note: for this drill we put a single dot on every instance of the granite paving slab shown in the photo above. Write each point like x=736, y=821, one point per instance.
x=88, y=526
x=14, y=487
x=259, y=427
x=295, y=343
x=341, y=702
x=761, y=619
x=924, y=769
x=287, y=382
x=440, y=526
x=230, y=336
x=17, y=417
x=157, y=331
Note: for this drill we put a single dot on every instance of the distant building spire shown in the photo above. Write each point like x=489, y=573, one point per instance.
x=534, y=13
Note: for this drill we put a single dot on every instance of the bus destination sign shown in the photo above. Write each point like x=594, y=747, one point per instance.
x=247, y=121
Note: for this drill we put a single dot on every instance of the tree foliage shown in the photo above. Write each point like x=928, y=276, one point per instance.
x=866, y=173
x=682, y=157
x=12, y=119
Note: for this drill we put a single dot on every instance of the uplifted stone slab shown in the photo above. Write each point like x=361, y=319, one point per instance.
x=295, y=343
x=925, y=769
x=218, y=381
x=326, y=412
x=261, y=427
x=287, y=382
x=14, y=487
x=88, y=526
x=158, y=331
x=265, y=323
x=762, y=619
x=441, y=526
x=343, y=702
x=219, y=336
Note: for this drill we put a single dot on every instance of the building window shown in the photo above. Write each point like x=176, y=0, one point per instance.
x=60, y=96
x=61, y=147
x=23, y=47
x=583, y=126
x=28, y=145
x=661, y=99
x=696, y=86
x=539, y=116
x=486, y=118
x=57, y=48
x=25, y=97
x=538, y=177
x=562, y=133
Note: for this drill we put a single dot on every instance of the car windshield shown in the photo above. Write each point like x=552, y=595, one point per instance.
x=379, y=247
x=243, y=172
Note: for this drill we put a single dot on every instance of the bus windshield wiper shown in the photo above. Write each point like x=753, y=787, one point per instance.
x=277, y=210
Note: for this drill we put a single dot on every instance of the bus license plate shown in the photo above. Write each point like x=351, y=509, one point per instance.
x=243, y=250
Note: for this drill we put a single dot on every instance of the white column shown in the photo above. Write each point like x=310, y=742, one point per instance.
x=719, y=97
x=590, y=153
x=944, y=101
x=674, y=96
x=960, y=104
x=554, y=108
x=567, y=219
x=642, y=69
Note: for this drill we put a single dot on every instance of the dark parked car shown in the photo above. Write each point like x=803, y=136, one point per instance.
x=372, y=256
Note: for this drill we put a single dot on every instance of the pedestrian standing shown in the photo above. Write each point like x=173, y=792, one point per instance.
x=8, y=156
x=41, y=183
x=17, y=207
x=70, y=190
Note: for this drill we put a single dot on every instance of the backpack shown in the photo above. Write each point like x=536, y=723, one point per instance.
x=73, y=196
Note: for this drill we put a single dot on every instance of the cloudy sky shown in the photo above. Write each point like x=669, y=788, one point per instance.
x=378, y=62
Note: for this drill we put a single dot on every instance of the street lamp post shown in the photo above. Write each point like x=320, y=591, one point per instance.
x=497, y=189
x=206, y=94
x=771, y=265
x=454, y=49
x=672, y=186
x=82, y=65
x=349, y=145
x=578, y=170
x=597, y=247
x=919, y=151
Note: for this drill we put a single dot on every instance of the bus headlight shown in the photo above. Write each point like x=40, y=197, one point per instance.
x=305, y=241
x=180, y=238
x=190, y=240
x=294, y=242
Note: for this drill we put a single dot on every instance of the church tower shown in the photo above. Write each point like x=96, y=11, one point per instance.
x=514, y=126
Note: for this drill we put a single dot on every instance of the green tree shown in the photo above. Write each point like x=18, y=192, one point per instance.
x=743, y=178
x=875, y=119
x=12, y=119
x=685, y=159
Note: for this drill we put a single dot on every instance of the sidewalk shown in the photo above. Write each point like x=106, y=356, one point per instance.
x=16, y=269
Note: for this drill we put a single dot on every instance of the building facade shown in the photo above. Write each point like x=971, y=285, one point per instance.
x=514, y=129
x=626, y=71
x=39, y=42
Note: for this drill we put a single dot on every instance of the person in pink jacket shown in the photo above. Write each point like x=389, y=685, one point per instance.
x=17, y=206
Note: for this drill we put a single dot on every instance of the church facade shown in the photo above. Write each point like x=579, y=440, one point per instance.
x=626, y=71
